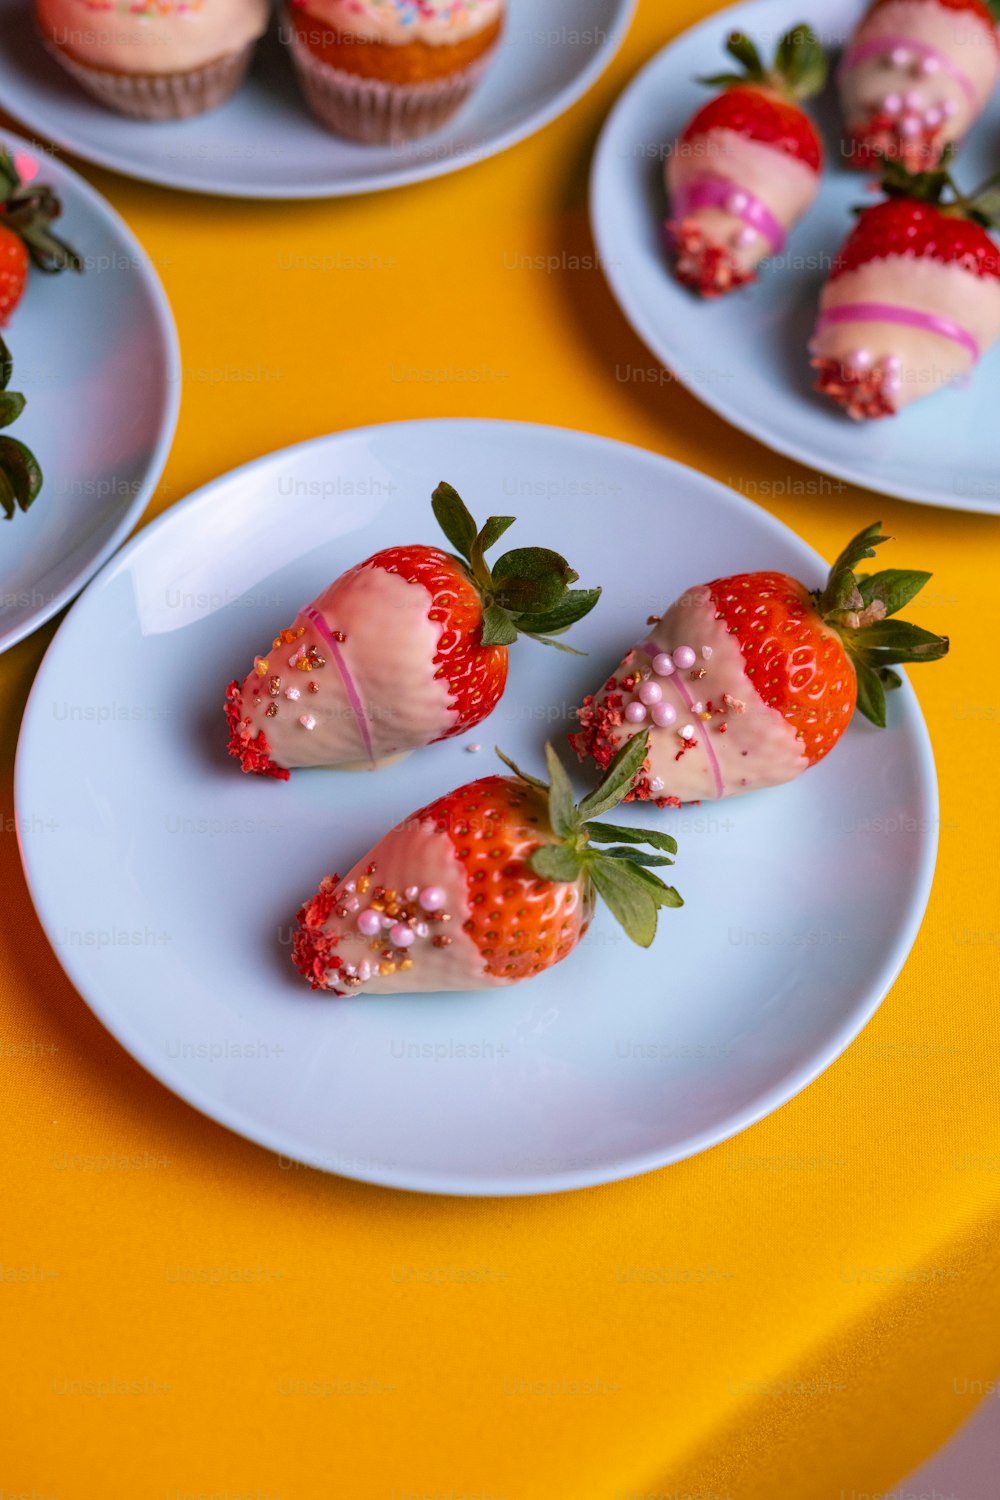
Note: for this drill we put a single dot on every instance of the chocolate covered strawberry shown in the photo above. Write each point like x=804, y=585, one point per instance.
x=26, y=238
x=915, y=76
x=407, y=648
x=746, y=167
x=913, y=299
x=748, y=681
x=20, y=476
x=489, y=885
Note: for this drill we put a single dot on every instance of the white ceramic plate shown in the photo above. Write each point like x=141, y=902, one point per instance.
x=167, y=881
x=745, y=355
x=96, y=356
x=264, y=143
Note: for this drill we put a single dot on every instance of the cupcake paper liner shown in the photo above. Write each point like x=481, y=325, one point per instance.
x=377, y=113
x=161, y=96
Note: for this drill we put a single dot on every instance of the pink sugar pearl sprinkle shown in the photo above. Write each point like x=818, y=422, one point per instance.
x=663, y=715
x=369, y=923
x=635, y=713
x=650, y=692
x=684, y=657
x=663, y=665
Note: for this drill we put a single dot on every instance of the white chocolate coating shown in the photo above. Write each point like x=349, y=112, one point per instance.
x=784, y=184
x=415, y=853
x=388, y=652
x=929, y=360
x=759, y=747
x=959, y=35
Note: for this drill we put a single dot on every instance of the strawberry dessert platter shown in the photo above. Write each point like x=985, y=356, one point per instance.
x=407, y=648
x=915, y=77
x=913, y=299
x=747, y=166
x=490, y=884
x=748, y=681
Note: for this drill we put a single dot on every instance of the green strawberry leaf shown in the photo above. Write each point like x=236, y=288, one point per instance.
x=721, y=80
x=11, y=407
x=498, y=628
x=8, y=500
x=841, y=591
x=801, y=62
x=618, y=778
x=871, y=694
x=531, y=579
x=556, y=862
x=627, y=898
x=636, y=857
x=890, y=641
x=663, y=895
x=454, y=519
x=893, y=587
x=608, y=833
x=493, y=530
x=562, y=803
x=22, y=471
x=740, y=47
x=522, y=775
x=574, y=604
x=6, y=366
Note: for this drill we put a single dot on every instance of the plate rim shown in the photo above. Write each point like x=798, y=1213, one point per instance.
x=404, y=176
x=602, y=165
x=163, y=314
x=441, y=1183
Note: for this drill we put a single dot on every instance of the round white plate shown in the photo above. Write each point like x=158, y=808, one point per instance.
x=745, y=355
x=168, y=882
x=265, y=144
x=96, y=356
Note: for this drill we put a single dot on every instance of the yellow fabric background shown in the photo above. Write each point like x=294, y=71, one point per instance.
x=744, y=1330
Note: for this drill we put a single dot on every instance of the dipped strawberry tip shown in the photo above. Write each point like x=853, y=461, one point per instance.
x=29, y=210
x=527, y=591
x=797, y=71
x=702, y=263
x=251, y=749
x=20, y=475
x=860, y=607
x=865, y=394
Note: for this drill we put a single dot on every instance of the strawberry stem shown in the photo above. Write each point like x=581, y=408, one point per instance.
x=797, y=72
x=29, y=211
x=526, y=592
x=859, y=607
x=623, y=875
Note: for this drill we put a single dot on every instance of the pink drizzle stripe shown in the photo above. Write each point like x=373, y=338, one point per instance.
x=909, y=317
x=652, y=649
x=882, y=45
x=350, y=687
x=716, y=192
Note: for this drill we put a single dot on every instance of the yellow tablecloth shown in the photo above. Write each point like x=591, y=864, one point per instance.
x=806, y=1311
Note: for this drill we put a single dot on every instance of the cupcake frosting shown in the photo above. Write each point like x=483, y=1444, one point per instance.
x=152, y=36
x=398, y=22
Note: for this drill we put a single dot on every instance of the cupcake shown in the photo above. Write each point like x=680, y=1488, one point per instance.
x=155, y=59
x=385, y=71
